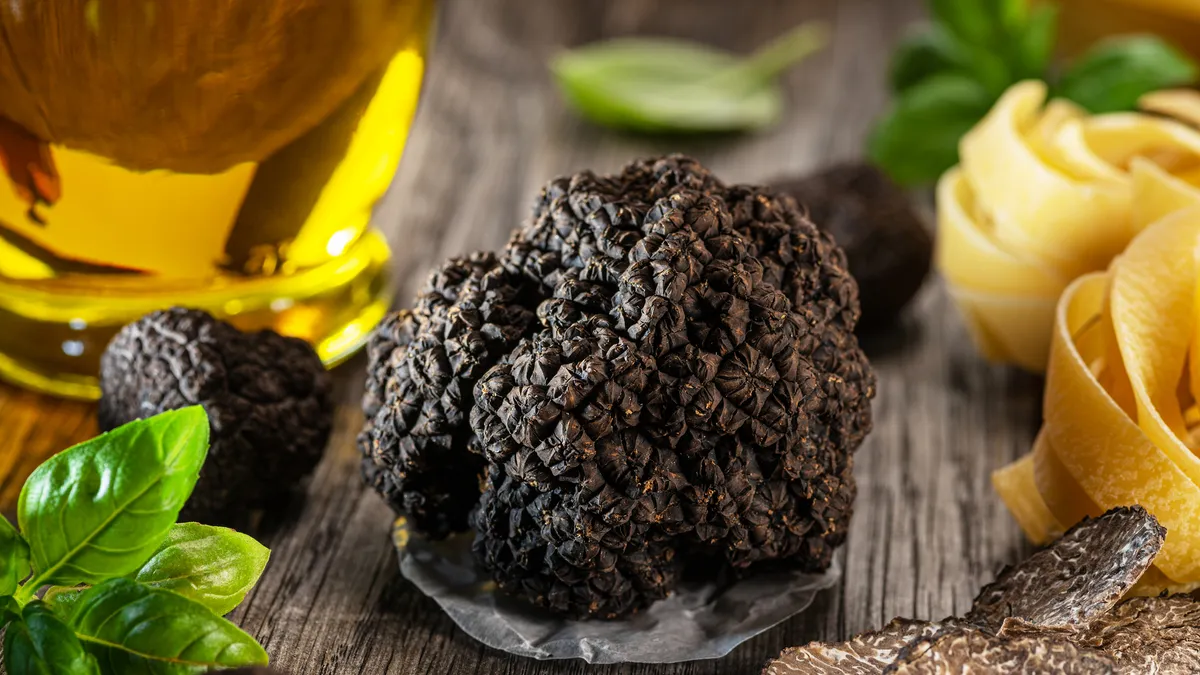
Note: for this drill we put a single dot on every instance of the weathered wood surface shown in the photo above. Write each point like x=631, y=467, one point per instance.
x=928, y=528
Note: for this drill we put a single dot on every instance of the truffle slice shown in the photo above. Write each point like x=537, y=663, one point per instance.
x=1079, y=577
x=1150, y=635
x=268, y=397
x=969, y=652
x=865, y=654
x=886, y=243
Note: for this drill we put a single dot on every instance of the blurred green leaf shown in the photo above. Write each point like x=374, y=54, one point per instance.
x=924, y=55
x=1118, y=72
x=1033, y=47
x=918, y=138
x=656, y=85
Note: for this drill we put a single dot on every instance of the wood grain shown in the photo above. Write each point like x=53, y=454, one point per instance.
x=928, y=530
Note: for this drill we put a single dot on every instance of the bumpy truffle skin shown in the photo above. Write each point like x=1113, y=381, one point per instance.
x=424, y=364
x=268, y=397
x=692, y=386
x=604, y=563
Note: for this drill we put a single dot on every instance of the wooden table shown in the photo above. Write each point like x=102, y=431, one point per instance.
x=928, y=529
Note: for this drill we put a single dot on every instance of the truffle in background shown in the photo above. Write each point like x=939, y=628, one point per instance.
x=872, y=219
x=659, y=368
x=268, y=397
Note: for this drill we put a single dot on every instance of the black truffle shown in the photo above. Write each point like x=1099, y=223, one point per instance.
x=886, y=243
x=268, y=397
x=1079, y=577
x=417, y=442
x=691, y=385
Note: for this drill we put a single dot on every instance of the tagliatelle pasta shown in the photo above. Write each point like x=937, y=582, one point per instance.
x=1044, y=194
x=1120, y=405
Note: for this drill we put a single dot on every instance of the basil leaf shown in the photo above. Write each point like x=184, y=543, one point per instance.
x=1033, y=44
x=99, y=509
x=41, y=644
x=62, y=599
x=918, y=139
x=922, y=56
x=214, y=566
x=971, y=21
x=658, y=85
x=1116, y=73
x=130, y=627
x=14, y=558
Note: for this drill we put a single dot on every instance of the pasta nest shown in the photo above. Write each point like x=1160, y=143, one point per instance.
x=1046, y=193
x=1121, y=419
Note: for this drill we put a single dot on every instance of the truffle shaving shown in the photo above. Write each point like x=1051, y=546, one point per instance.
x=1150, y=635
x=1079, y=577
x=866, y=654
x=970, y=652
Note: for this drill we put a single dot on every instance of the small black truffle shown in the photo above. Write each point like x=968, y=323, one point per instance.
x=268, y=397
x=886, y=243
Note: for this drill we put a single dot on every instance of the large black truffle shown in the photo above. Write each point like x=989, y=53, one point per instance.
x=268, y=397
x=690, y=385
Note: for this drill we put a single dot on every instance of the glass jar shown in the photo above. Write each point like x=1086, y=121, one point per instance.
x=218, y=155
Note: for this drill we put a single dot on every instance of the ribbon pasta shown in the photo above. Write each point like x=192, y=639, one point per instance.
x=1045, y=193
x=1121, y=411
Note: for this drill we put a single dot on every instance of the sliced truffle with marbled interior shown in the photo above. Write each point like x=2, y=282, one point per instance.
x=1077, y=578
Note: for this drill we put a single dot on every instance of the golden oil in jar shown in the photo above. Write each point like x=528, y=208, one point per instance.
x=217, y=154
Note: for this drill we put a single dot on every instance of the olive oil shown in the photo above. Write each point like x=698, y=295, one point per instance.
x=234, y=168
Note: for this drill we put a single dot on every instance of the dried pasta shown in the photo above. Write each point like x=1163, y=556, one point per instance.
x=1045, y=193
x=1120, y=407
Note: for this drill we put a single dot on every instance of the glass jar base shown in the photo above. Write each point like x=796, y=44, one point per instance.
x=51, y=340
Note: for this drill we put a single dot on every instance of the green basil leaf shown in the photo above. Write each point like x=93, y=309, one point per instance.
x=1033, y=45
x=62, y=599
x=922, y=56
x=41, y=644
x=918, y=138
x=14, y=558
x=1116, y=73
x=130, y=627
x=214, y=566
x=99, y=509
x=659, y=85
x=971, y=21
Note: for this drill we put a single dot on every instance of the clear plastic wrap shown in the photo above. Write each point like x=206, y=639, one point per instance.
x=698, y=621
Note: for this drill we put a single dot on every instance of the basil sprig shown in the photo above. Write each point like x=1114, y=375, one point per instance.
x=130, y=590
x=659, y=85
x=945, y=79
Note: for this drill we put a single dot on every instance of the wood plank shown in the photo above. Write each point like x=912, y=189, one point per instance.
x=928, y=529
